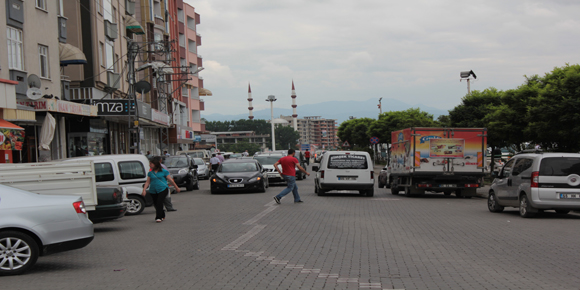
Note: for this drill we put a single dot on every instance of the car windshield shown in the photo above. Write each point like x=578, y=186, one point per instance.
x=268, y=159
x=173, y=162
x=347, y=161
x=560, y=166
x=198, y=161
x=239, y=167
x=196, y=154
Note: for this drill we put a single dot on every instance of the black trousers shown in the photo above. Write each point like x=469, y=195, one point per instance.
x=158, y=199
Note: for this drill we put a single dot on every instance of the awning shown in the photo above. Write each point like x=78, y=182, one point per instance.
x=204, y=92
x=70, y=54
x=133, y=25
x=11, y=136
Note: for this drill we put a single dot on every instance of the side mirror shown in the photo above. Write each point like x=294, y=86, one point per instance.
x=315, y=168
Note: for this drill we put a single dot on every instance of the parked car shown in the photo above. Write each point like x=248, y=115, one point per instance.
x=384, y=177
x=318, y=155
x=33, y=225
x=267, y=161
x=344, y=170
x=127, y=170
x=199, y=153
x=202, y=168
x=183, y=170
x=110, y=204
x=236, y=175
x=535, y=182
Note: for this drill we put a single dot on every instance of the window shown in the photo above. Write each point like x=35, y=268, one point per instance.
x=131, y=170
x=99, y=5
x=522, y=165
x=507, y=169
x=347, y=161
x=15, y=53
x=180, y=15
x=102, y=54
x=114, y=16
x=157, y=7
x=191, y=23
x=108, y=11
x=110, y=55
x=43, y=56
x=182, y=40
x=192, y=47
x=559, y=166
x=41, y=4
x=116, y=63
x=104, y=172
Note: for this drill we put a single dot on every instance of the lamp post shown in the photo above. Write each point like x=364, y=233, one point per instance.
x=466, y=75
x=272, y=99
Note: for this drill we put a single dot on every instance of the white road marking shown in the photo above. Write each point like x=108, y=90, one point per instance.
x=244, y=238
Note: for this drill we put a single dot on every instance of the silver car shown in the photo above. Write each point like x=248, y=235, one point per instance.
x=33, y=225
x=534, y=182
x=202, y=168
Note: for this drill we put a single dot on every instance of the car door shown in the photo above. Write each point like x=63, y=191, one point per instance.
x=503, y=182
x=104, y=173
x=521, y=178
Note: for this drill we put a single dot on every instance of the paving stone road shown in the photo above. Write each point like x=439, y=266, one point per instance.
x=338, y=241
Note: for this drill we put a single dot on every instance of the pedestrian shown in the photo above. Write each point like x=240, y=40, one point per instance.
x=215, y=162
x=307, y=156
x=156, y=182
x=289, y=164
x=149, y=155
x=165, y=153
x=245, y=153
x=167, y=202
x=220, y=157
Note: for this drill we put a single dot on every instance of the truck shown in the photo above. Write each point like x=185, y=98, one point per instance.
x=447, y=160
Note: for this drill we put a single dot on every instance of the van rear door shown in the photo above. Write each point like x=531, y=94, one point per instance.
x=347, y=168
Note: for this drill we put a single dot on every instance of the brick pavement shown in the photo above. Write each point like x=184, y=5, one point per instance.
x=340, y=241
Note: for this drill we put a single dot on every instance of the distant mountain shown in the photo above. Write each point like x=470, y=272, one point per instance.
x=339, y=110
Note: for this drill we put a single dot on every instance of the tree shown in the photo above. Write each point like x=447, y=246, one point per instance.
x=355, y=132
x=240, y=147
x=286, y=137
x=397, y=120
x=259, y=126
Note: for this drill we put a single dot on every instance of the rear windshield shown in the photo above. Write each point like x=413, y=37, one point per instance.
x=268, y=159
x=347, y=161
x=196, y=154
x=560, y=166
x=239, y=167
x=198, y=161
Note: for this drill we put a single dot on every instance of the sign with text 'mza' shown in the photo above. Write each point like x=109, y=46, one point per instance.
x=108, y=107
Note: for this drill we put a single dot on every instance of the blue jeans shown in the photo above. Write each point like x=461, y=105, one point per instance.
x=291, y=180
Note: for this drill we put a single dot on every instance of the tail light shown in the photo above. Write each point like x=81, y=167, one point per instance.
x=535, y=179
x=321, y=173
x=80, y=207
x=372, y=175
x=424, y=185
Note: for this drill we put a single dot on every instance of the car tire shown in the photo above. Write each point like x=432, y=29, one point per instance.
x=25, y=246
x=370, y=192
x=381, y=185
x=136, y=204
x=562, y=211
x=213, y=191
x=492, y=204
x=525, y=207
x=458, y=193
x=189, y=186
x=263, y=188
x=394, y=190
x=320, y=191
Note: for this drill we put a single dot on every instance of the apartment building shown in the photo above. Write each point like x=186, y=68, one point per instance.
x=318, y=132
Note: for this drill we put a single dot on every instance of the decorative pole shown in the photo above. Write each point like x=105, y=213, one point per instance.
x=294, y=115
x=250, y=102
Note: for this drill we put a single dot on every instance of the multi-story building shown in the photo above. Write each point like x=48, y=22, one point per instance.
x=318, y=132
x=233, y=137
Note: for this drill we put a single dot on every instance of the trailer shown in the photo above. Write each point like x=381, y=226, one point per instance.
x=447, y=160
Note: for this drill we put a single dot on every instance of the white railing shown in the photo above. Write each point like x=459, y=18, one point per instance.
x=86, y=94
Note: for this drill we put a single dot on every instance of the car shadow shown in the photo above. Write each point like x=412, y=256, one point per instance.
x=543, y=215
x=42, y=267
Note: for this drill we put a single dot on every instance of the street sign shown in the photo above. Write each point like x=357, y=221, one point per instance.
x=345, y=144
x=374, y=140
x=304, y=147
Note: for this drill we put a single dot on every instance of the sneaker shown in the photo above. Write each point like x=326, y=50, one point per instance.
x=277, y=199
x=298, y=201
x=158, y=220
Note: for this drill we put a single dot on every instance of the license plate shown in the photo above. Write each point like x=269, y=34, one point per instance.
x=568, y=195
x=346, y=178
x=235, y=185
x=448, y=185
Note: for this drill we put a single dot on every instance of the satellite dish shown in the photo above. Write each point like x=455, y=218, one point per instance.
x=34, y=81
x=34, y=93
x=143, y=87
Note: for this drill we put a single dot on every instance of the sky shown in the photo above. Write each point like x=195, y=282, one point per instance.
x=412, y=51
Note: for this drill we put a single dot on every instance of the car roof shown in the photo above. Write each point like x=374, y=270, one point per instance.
x=118, y=157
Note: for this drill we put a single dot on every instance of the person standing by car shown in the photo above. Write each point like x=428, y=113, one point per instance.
x=307, y=156
x=215, y=162
x=157, y=180
x=245, y=153
x=289, y=165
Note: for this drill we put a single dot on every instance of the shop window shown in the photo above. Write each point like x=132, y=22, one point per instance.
x=131, y=170
x=104, y=172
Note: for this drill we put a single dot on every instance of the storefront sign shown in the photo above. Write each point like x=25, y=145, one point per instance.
x=144, y=110
x=114, y=107
x=11, y=139
x=53, y=105
x=208, y=138
x=159, y=117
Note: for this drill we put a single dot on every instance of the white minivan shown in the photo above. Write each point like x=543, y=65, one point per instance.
x=345, y=170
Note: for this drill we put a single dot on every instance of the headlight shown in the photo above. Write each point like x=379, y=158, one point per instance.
x=255, y=179
x=217, y=180
x=182, y=171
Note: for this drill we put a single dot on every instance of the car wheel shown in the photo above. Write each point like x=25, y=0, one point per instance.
x=394, y=189
x=196, y=186
x=492, y=204
x=381, y=185
x=562, y=211
x=458, y=194
x=263, y=188
x=370, y=192
x=189, y=186
x=320, y=191
x=525, y=207
x=135, y=205
x=18, y=252
x=214, y=191
x=446, y=193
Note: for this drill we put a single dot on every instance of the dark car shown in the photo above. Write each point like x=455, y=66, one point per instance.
x=183, y=170
x=236, y=175
x=110, y=204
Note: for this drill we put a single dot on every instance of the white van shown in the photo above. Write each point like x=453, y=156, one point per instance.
x=127, y=170
x=344, y=170
x=199, y=153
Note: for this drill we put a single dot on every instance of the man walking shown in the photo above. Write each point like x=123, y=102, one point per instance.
x=307, y=156
x=215, y=162
x=289, y=164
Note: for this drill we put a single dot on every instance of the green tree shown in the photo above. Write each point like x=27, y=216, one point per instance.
x=355, y=132
x=259, y=126
x=285, y=137
x=397, y=120
x=240, y=147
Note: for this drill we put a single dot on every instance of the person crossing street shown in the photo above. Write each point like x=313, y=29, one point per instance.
x=289, y=165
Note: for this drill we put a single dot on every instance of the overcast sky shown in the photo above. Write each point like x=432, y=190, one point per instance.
x=347, y=50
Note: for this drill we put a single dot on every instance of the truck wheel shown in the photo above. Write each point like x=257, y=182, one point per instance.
x=492, y=204
x=19, y=252
x=525, y=207
x=394, y=189
x=135, y=205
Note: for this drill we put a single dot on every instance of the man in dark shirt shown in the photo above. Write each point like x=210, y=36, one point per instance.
x=289, y=164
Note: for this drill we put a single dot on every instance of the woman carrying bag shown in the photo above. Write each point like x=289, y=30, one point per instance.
x=157, y=183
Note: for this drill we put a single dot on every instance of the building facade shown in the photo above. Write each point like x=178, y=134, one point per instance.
x=320, y=133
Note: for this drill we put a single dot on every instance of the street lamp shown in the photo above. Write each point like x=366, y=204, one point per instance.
x=466, y=75
x=272, y=99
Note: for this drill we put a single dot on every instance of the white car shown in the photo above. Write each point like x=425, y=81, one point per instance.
x=267, y=161
x=345, y=170
x=33, y=225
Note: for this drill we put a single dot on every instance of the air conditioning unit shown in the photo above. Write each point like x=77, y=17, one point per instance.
x=111, y=30
x=113, y=80
x=130, y=7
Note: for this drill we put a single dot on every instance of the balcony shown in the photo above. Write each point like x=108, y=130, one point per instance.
x=86, y=94
x=198, y=39
x=197, y=18
x=111, y=30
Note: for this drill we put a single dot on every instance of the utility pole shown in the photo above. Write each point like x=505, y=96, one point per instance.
x=380, y=107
